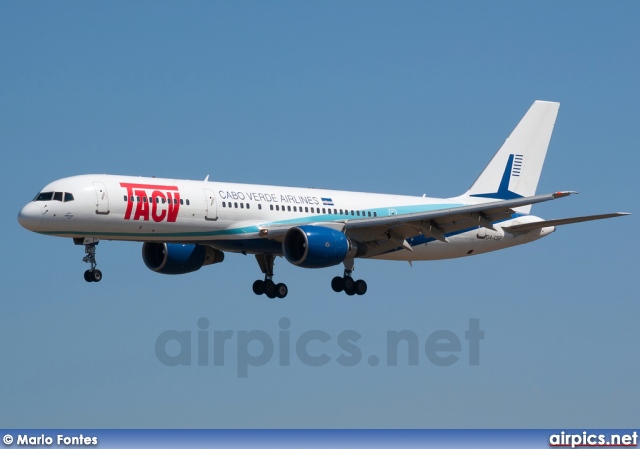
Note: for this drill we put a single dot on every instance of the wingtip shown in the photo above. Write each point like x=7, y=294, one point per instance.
x=564, y=193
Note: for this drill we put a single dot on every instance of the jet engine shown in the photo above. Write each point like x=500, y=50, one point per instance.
x=319, y=247
x=177, y=258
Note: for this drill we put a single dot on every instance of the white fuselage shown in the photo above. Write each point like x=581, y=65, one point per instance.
x=229, y=216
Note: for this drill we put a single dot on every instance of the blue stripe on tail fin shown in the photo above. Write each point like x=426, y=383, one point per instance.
x=503, y=192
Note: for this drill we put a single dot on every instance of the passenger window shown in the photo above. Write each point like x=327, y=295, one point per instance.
x=375, y=214
x=241, y=205
x=358, y=213
x=306, y=209
x=182, y=202
x=69, y=197
x=138, y=199
x=277, y=207
x=187, y=202
x=248, y=205
x=259, y=206
x=289, y=208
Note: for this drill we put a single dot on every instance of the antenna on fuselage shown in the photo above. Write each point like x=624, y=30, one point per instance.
x=206, y=179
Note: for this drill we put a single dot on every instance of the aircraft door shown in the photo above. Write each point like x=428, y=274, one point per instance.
x=102, y=198
x=211, y=205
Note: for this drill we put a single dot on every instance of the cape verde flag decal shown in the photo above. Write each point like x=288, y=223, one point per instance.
x=327, y=201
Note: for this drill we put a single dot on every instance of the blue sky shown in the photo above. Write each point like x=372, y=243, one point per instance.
x=401, y=97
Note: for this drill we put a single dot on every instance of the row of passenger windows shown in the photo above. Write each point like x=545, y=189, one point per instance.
x=324, y=210
x=159, y=200
x=55, y=196
x=239, y=205
x=313, y=210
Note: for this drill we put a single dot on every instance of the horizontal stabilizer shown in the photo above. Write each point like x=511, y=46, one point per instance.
x=561, y=221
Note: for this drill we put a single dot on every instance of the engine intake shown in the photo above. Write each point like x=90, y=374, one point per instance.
x=319, y=247
x=178, y=258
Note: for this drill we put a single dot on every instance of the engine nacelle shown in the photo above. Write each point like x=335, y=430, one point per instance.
x=177, y=258
x=319, y=247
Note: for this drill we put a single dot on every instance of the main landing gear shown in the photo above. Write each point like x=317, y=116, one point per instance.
x=92, y=274
x=347, y=284
x=268, y=287
x=272, y=290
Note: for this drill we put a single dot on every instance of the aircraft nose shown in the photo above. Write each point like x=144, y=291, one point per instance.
x=30, y=216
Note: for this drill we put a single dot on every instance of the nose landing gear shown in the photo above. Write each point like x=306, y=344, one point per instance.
x=92, y=274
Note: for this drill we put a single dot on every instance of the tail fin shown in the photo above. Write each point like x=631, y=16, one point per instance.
x=515, y=169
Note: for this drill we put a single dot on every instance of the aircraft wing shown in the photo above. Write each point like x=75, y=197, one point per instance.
x=560, y=221
x=438, y=223
x=435, y=223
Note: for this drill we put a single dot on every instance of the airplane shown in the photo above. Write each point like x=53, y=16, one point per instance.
x=185, y=224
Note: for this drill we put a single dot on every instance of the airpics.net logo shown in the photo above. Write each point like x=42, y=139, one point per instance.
x=284, y=345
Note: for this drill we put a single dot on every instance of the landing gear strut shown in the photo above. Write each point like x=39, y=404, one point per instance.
x=268, y=287
x=347, y=284
x=92, y=274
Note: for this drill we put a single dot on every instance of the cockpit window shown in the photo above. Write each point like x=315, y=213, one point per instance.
x=44, y=196
x=55, y=196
